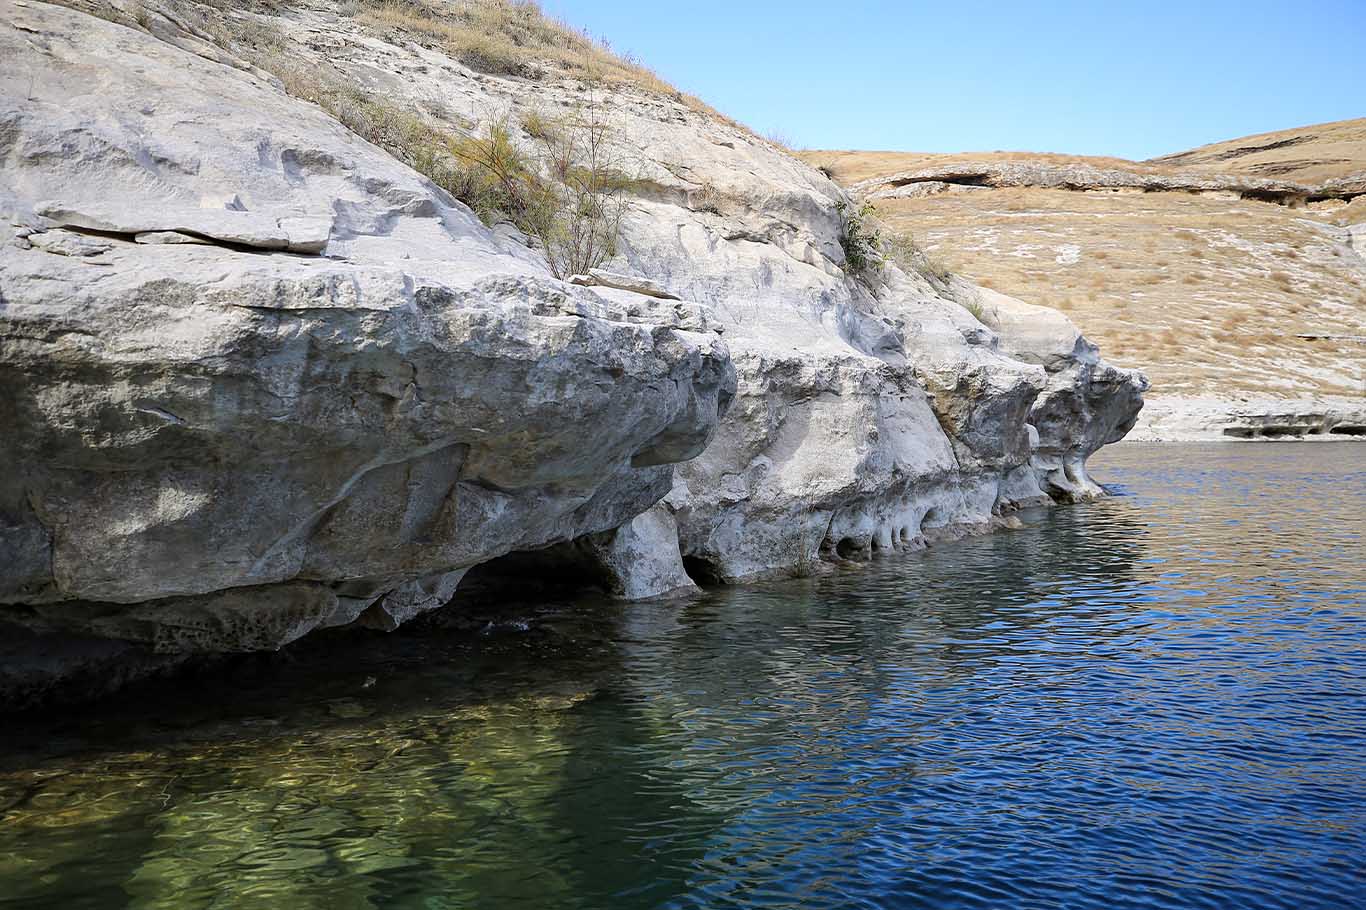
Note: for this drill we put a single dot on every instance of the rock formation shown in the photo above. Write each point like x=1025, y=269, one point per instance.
x=1078, y=176
x=259, y=378
x=1235, y=273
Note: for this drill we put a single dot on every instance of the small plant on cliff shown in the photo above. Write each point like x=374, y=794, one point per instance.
x=566, y=191
x=867, y=250
x=862, y=244
x=806, y=546
x=587, y=195
x=912, y=257
x=569, y=192
x=539, y=126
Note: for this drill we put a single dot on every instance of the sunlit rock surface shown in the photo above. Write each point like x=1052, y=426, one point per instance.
x=246, y=352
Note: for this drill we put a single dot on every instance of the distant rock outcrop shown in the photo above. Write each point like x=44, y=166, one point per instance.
x=1084, y=177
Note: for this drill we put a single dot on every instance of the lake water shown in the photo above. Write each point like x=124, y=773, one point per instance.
x=1154, y=701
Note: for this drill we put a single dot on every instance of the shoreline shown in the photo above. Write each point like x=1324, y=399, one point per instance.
x=1209, y=418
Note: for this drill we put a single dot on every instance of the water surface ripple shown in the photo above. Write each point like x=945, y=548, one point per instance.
x=1155, y=701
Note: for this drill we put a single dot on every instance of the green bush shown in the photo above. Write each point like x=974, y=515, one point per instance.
x=862, y=244
x=867, y=250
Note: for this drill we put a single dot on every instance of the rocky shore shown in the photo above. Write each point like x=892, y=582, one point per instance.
x=259, y=378
x=1212, y=418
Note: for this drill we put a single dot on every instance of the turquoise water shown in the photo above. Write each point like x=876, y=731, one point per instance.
x=1154, y=701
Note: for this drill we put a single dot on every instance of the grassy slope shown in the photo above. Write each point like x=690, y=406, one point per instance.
x=1205, y=293
x=1309, y=154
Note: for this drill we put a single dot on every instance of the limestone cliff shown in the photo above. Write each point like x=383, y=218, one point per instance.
x=259, y=377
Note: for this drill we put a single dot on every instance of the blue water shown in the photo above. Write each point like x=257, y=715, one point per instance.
x=1154, y=701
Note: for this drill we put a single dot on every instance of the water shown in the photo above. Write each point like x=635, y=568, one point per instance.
x=1156, y=701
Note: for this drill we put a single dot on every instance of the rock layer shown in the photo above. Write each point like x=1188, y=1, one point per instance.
x=1212, y=418
x=260, y=378
x=969, y=175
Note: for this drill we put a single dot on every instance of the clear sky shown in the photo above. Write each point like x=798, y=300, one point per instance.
x=1129, y=79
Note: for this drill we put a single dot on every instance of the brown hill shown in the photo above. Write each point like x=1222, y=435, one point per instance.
x=1309, y=154
x=1228, y=272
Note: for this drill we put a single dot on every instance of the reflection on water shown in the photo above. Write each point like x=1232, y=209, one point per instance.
x=1156, y=701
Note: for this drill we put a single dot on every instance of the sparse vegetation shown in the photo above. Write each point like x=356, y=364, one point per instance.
x=862, y=244
x=779, y=138
x=515, y=38
x=504, y=37
x=539, y=126
x=911, y=256
x=706, y=198
x=867, y=250
x=568, y=192
x=1171, y=259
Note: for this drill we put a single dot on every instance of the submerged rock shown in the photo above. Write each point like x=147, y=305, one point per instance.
x=280, y=382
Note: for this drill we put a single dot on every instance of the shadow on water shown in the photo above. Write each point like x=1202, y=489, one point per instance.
x=1134, y=703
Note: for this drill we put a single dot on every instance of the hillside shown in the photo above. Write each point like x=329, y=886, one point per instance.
x=1232, y=274
x=1309, y=154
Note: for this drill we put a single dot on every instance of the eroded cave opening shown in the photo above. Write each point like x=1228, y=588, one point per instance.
x=558, y=571
x=704, y=572
x=849, y=548
x=1296, y=432
x=1277, y=197
x=969, y=179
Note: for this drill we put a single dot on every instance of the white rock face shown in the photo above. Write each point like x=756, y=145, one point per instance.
x=1209, y=419
x=345, y=432
x=243, y=351
x=641, y=559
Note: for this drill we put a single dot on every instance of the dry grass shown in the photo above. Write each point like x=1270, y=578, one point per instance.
x=1309, y=154
x=506, y=37
x=781, y=139
x=511, y=38
x=912, y=257
x=1198, y=266
x=515, y=38
x=567, y=193
x=540, y=126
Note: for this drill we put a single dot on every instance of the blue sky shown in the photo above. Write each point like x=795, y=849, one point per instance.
x=1128, y=79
